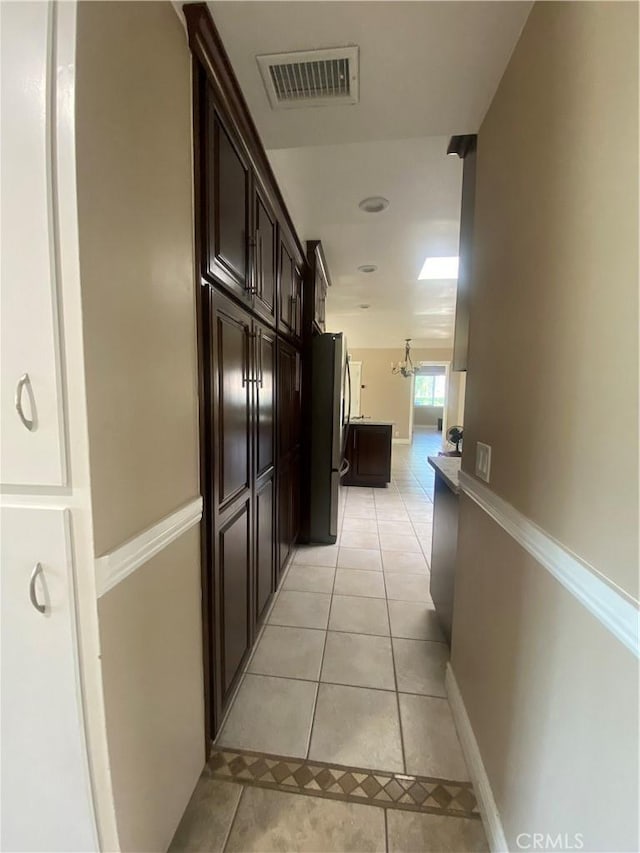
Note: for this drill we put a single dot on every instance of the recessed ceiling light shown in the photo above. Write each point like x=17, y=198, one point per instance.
x=367, y=268
x=439, y=268
x=374, y=204
x=364, y=306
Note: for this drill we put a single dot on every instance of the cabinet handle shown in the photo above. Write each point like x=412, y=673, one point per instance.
x=245, y=348
x=37, y=569
x=251, y=287
x=260, y=371
x=25, y=382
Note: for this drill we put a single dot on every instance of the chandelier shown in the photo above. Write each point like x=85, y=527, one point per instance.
x=404, y=368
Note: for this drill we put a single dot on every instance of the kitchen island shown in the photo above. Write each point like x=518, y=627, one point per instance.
x=445, y=537
x=368, y=452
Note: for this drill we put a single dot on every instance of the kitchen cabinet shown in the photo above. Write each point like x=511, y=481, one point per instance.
x=227, y=210
x=289, y=440
x=368, y=452
x=42, y=723
x=444, y=547
x=319, y=282
x=252, y=277
x=243, y=489
x=265, y=466
x=32, y=449
x=290, y=287
x=264, y=260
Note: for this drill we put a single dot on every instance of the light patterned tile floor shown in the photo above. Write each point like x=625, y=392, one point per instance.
x=349, y=668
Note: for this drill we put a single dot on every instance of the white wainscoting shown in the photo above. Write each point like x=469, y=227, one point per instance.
x=617, y=611
x=117, y=565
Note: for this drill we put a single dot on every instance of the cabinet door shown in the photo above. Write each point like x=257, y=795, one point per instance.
x=369, y=454
x=296, y=304
x=265, y=543
x=265, y=497
x=232, y=401
x=265, y=261
x=289, y=398
x=265, y=349
x=284, y=514
x=227, y=207
x=46, y=800
x=32, y=450
x=233, y=559
x=286, y=290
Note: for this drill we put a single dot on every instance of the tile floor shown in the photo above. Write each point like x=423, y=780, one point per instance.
x=349, y=670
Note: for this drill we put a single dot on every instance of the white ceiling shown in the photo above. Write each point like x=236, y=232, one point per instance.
x=427, y=70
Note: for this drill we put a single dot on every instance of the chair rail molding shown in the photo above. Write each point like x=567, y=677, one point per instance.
x=120, y=563
x=616, y=610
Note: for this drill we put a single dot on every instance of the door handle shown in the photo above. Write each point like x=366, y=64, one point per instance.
x=33, y=596
x=25, y=382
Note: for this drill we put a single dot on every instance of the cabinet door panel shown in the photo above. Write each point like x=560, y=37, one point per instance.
x=284, y=514
x=29, y=331
x=266, y=403
x=265, y=261
x=286, y=289
x=46, y=800
x=233, y=456
x=227, y=202
x=234, y=561
x=265, y=542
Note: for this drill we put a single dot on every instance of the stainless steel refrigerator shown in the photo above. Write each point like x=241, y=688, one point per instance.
x=330, y=408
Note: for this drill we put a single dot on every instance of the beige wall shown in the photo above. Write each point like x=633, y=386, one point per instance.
x=387, y=397
x=152, y=670
x=427, y=415
x=552, y=695
x=553, y=373
x=137, y=274
x=135, y=212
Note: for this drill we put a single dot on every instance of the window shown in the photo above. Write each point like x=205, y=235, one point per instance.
x=429, y=390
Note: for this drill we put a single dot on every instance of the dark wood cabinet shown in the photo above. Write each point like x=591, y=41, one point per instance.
x=232, y=401
x=233, y=584
x=319, y=283
x=264, y=260
x=252, y=278
x=289, y=447
x=291, y=295
x=368, y=452
x=227, y=183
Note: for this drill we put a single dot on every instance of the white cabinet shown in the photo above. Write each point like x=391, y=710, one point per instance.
x=46, y=800
x=29, y=325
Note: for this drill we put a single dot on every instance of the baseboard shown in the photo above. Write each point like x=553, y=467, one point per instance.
x=486, y=802
x=401, y=440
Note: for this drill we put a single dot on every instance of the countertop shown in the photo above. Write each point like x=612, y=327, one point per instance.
x=369, y=422
x=448, y=467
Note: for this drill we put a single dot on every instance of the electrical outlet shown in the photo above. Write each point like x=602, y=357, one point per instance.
x=483, y=461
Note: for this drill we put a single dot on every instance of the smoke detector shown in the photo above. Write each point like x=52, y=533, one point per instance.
x=311, y=78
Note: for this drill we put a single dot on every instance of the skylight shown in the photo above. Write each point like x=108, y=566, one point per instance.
x=439, y=268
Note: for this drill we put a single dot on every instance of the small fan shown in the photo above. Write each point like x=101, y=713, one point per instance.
x=454, y=436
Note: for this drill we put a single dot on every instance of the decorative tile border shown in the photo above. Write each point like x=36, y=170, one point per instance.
x=351, y=784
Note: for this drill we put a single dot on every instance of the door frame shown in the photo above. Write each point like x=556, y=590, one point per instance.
x=447, y=373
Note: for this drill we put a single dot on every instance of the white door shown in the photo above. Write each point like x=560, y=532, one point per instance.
x=46, y=802
x=32, y=449
x=356, y=380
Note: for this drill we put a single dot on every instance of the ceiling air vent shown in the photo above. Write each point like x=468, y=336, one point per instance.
x=311, y=78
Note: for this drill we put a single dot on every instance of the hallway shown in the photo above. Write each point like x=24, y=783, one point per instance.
x=347, y=677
